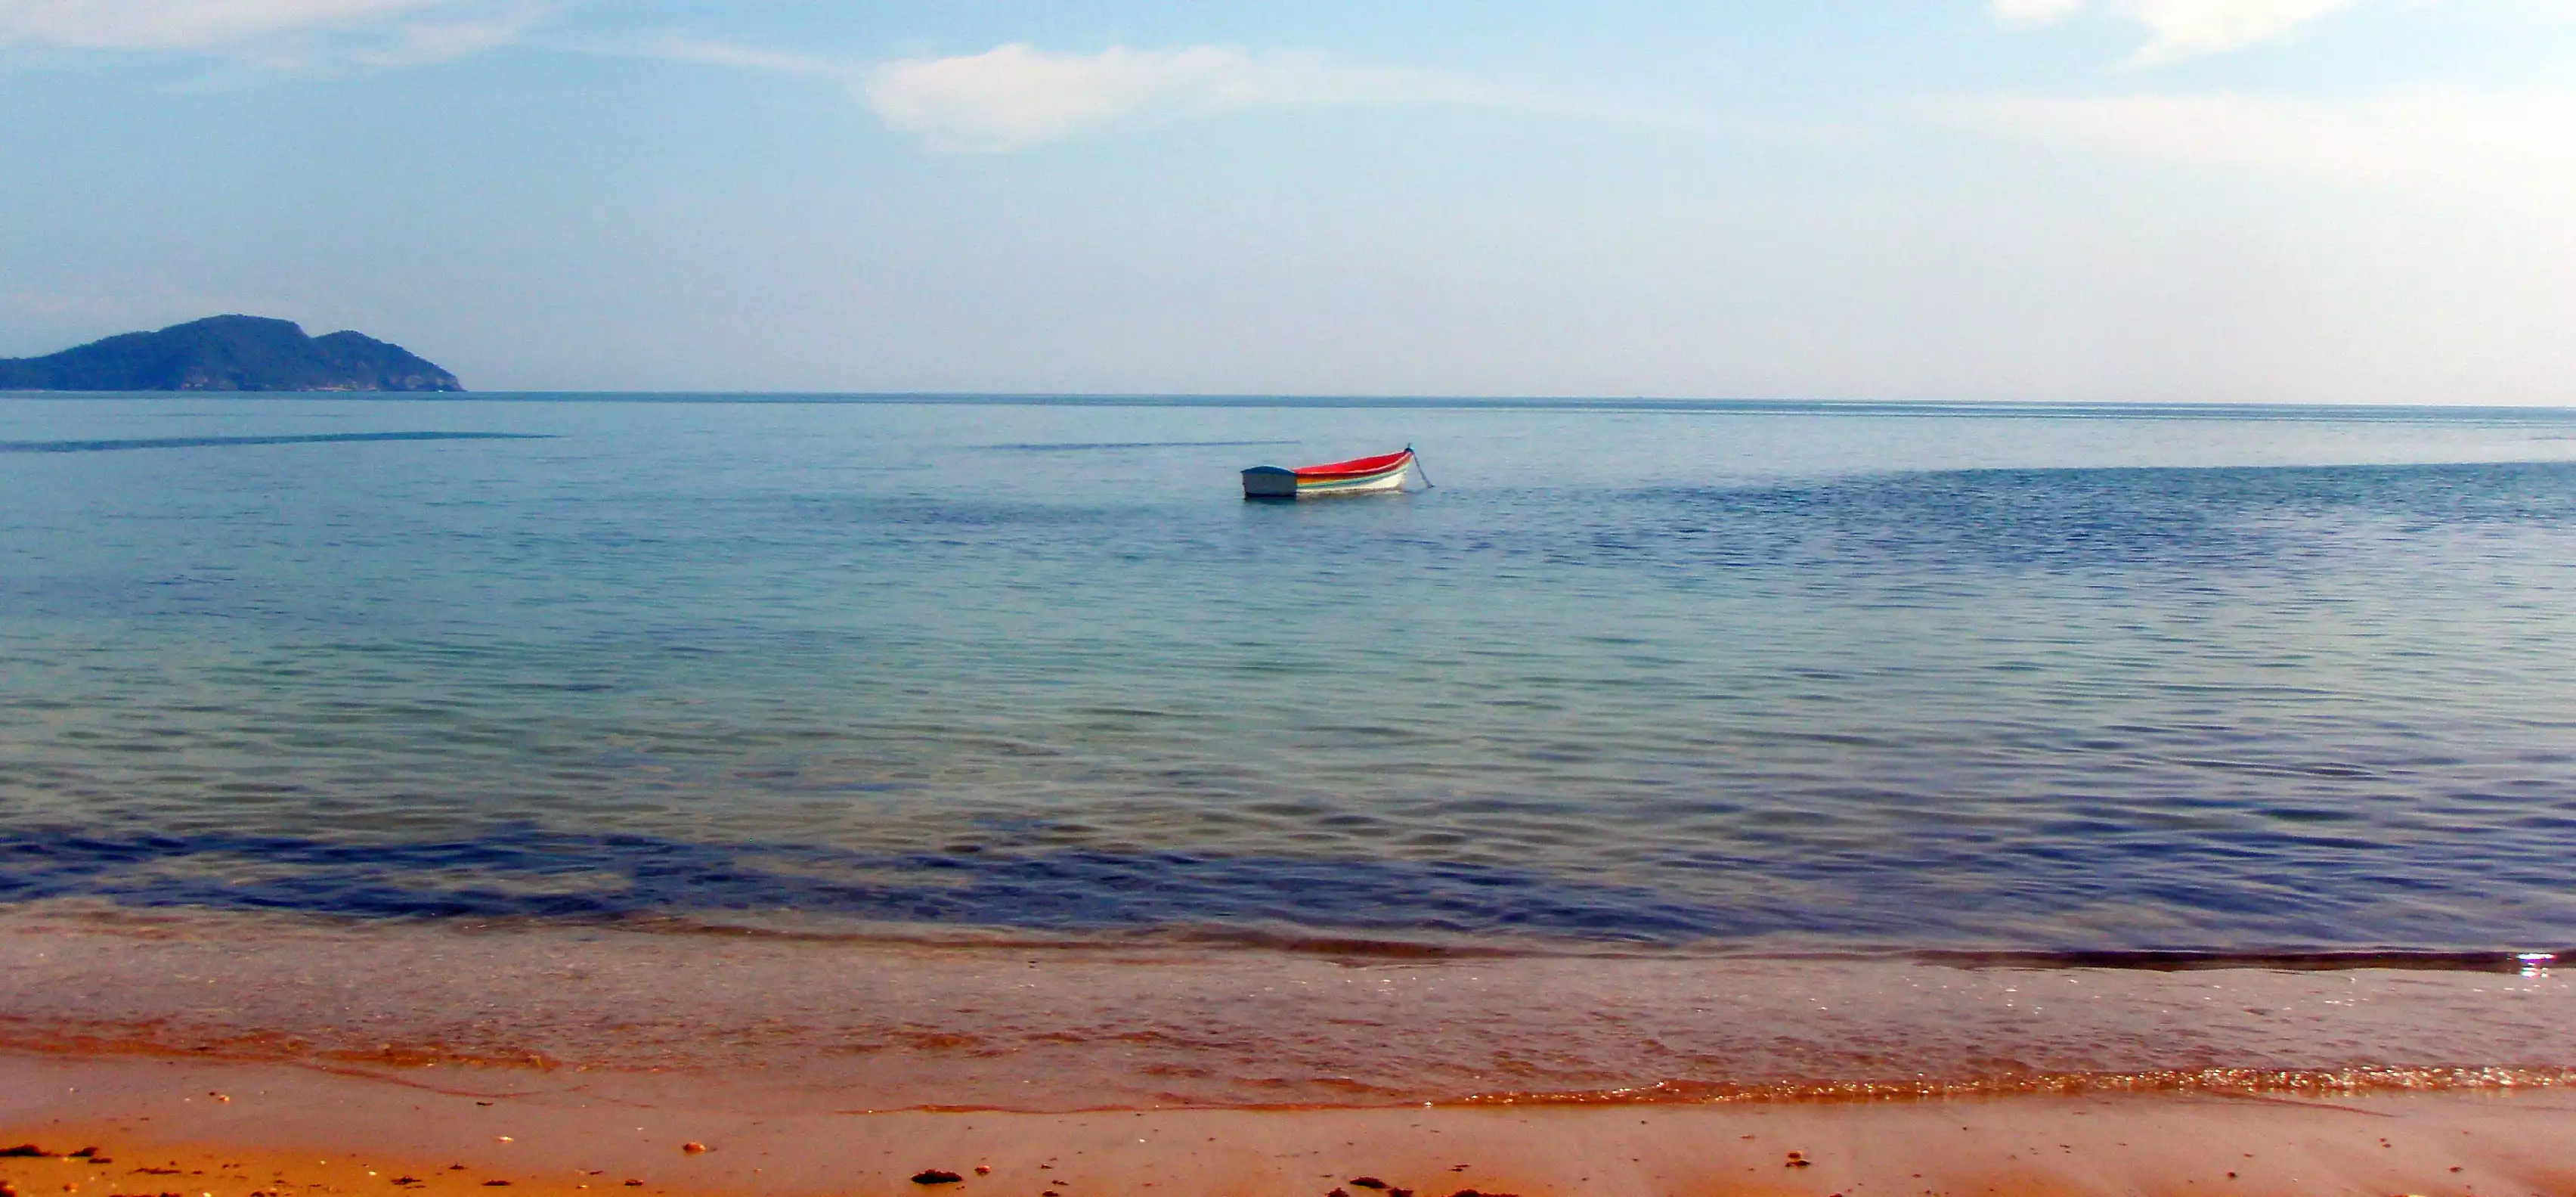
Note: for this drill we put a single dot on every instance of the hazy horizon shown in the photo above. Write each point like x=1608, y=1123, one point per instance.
x=2054, y=201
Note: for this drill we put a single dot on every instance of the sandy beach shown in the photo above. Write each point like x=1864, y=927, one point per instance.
x=165, y=1126
x=195, y=1055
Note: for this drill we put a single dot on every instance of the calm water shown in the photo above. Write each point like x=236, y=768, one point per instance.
x=1709, y=677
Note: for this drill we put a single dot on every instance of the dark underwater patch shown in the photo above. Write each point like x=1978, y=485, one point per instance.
x=552, y=875
x=217, y=442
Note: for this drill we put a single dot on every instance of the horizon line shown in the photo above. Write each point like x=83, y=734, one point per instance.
x=1351, y=400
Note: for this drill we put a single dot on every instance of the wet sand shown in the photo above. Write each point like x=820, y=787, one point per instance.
x=250, y=1057
x=199, y=1129
x=836, y=1023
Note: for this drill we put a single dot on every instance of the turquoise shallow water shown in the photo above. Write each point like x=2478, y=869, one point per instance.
x=1745, y=677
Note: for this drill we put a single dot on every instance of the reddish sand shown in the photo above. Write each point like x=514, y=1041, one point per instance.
x=201, y=1129
x=233, y=1056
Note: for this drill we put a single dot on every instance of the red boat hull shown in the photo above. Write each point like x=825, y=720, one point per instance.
x=1381, y=474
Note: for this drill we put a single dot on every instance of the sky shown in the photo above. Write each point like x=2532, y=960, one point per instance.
x=2353, y=201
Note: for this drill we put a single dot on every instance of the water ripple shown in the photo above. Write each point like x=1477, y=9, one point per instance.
x=1624, y=678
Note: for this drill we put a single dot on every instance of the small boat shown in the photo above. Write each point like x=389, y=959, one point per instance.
x=1379, y=475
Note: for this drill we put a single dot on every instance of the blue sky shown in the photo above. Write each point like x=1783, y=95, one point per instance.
x=2125, y=200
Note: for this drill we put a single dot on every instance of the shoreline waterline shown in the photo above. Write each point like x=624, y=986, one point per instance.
x=1139, y=1025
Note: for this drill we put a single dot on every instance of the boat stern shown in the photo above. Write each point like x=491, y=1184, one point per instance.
x=1269, y=482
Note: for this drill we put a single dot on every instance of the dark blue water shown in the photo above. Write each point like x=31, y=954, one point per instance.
x=1715, y=676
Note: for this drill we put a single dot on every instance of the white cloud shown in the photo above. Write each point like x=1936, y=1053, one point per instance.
x=671, y=45
x=2187, y=27
x=1016, y=96
x=2513, y=149
x=2182, y=28
x=180, y=24
x=2034, y=12
x=273, y=32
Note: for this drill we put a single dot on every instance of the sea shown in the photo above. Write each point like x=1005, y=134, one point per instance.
x=994, y=751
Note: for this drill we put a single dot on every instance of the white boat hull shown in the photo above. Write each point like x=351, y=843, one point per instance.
x=1272, y=482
